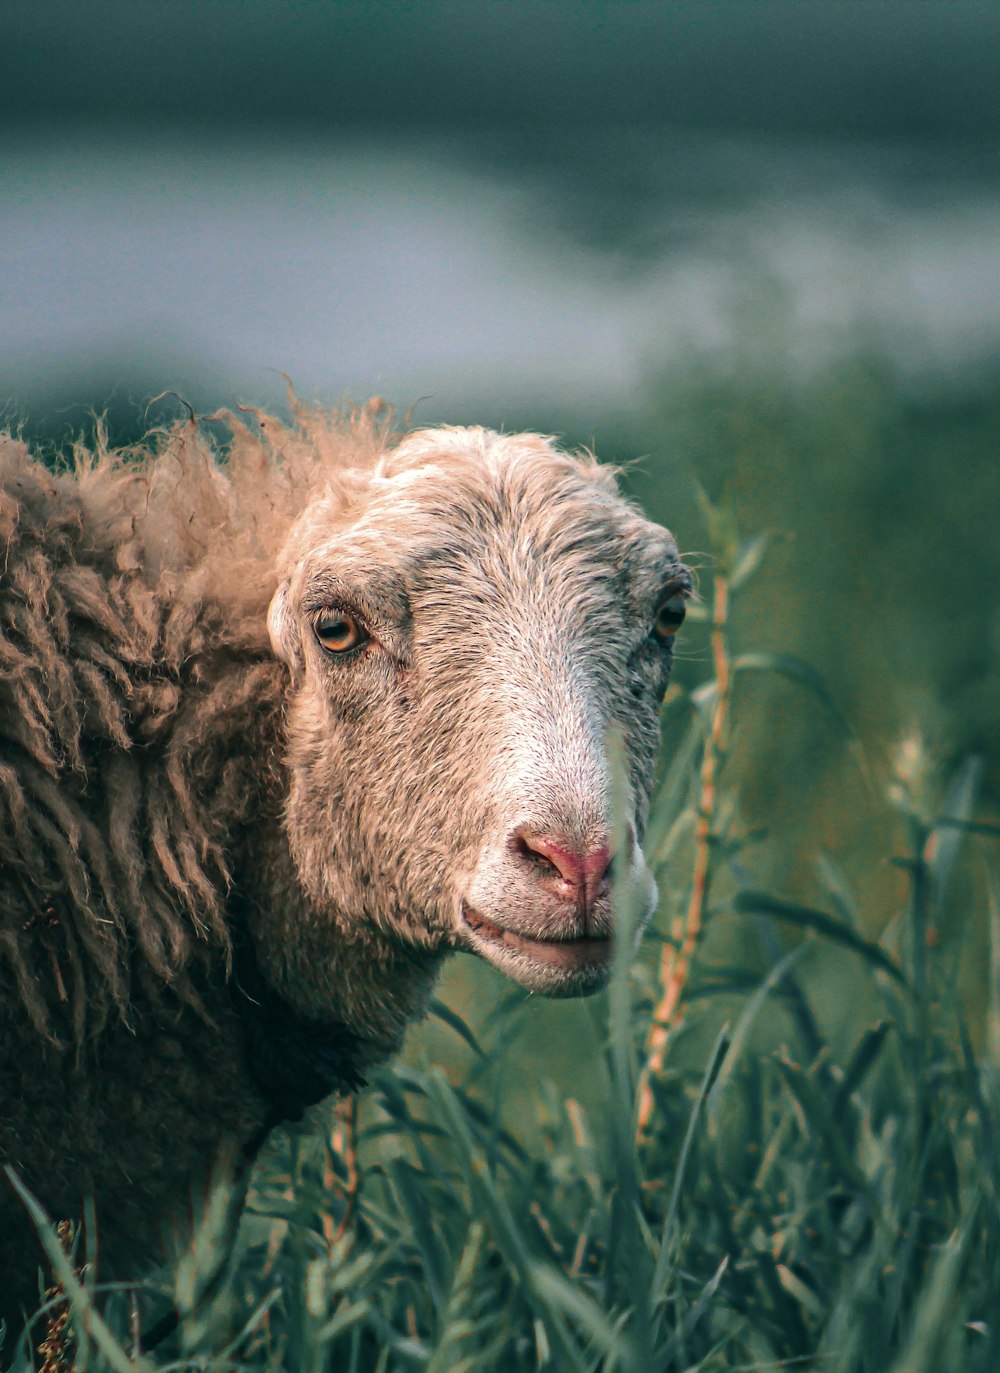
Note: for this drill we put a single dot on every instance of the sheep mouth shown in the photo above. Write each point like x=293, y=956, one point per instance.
x=586, y=953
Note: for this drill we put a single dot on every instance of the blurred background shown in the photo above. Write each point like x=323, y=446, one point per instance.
x=752, y=245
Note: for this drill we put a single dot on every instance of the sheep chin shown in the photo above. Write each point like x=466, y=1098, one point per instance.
x=552, y=967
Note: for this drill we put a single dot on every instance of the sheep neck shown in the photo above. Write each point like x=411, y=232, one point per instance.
x=295, y=1061
x=329, y=981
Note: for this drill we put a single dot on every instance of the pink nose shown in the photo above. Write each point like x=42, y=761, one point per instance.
x=580, y=874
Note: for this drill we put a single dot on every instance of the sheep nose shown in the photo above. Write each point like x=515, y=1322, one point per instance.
x=579, y=874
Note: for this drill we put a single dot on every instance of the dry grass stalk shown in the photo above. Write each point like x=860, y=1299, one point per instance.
x=675, y=964
x=55, y=1350
x=344, y=1143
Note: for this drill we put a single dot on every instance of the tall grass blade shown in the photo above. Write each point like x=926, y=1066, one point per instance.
x=587, y=1316
x=934, y=1308
x=750, y=557
x=679, y=1338
x=827, y=1129
x=455, y=1022
x=795, y=670
x=993, y=996
x=669, y=1239
x=949, y=829
x=85, y=1314
x=498, y=1214
x=758, y=903
x=743, y=1026
x=862, y=1060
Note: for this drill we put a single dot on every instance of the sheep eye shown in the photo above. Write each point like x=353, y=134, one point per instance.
x=669, y=617
x=338, y=631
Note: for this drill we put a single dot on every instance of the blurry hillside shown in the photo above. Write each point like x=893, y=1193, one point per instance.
x=754, y=246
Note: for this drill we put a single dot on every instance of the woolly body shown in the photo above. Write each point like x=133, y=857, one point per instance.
x=214, y=832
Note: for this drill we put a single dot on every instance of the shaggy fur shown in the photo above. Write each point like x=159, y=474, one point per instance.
x=214, y=832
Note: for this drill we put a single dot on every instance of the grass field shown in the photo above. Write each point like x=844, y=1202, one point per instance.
x=773, y=1142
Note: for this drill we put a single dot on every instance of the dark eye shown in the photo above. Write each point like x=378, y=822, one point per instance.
x=669, y=616
x=338, y=631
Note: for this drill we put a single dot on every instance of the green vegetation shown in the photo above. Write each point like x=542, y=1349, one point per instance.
x=773, y=1142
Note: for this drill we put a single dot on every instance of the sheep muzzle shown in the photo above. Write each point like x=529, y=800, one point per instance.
x=540, y=906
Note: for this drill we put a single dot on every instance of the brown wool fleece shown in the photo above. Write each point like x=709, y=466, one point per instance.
x=187, y=773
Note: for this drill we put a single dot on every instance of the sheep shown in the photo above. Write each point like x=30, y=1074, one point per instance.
x=281, y=727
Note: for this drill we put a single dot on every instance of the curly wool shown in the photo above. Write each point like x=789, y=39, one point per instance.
x=136, y=685
x=232, y=864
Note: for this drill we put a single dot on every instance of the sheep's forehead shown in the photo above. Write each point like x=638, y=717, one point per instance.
x=536, y=515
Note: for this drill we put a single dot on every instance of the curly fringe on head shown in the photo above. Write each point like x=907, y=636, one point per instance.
x=138, y=695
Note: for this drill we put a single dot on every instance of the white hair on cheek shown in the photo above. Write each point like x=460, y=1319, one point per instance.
x=282, y=629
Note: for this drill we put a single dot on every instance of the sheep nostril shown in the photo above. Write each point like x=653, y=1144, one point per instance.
x=585, y=871
x=539, y=857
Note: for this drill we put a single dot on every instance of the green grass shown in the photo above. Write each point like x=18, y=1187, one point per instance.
x=818, y=1182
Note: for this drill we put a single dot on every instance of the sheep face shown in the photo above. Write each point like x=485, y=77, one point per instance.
x=463, y=645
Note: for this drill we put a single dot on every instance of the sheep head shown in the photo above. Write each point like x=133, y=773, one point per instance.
x=465, y=632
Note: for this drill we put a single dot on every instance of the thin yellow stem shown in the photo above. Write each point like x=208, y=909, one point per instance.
x=675, y=964
x=350, y=1156
x=56, y=1348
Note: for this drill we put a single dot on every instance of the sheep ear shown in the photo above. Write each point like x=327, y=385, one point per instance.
x=283, y=630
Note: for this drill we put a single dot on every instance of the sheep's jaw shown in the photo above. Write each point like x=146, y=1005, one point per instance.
x=555, y=967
